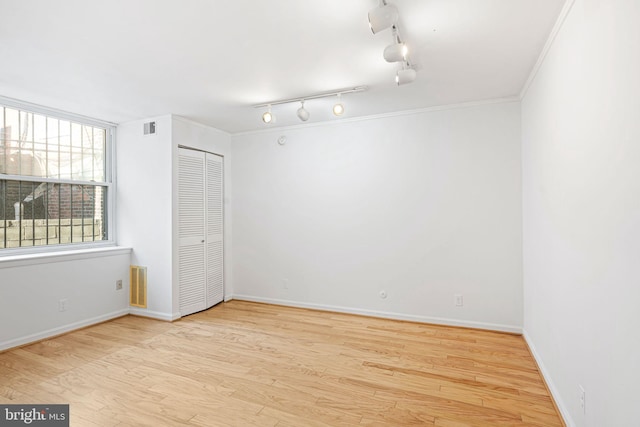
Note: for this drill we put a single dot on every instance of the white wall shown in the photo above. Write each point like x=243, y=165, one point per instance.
x=32, y=286
x=422, y=206
x=147, y=202
x=30, y=289
x=581, y=202
x=143, y=208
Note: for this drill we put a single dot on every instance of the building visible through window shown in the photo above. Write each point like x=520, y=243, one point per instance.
x=53, y=180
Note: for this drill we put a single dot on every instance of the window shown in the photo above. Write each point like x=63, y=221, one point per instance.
x=55, y=183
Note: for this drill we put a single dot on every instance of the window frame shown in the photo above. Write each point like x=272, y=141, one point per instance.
x=109, y=182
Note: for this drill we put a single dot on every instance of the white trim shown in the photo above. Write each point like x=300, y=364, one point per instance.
x=383, y=115
x=198, y=124
x=16, y=342
x=58, y=114
x=547, y=47
x=385, y=314
x=564, y=412
x=158, y=315
x=22, y=260
x=112, y=189
x=25, y=178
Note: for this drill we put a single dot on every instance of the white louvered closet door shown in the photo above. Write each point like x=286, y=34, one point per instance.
x=200, y=230
x=215, y=223
x=191, y=231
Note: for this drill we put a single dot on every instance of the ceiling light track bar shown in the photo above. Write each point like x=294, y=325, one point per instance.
x=314, y=96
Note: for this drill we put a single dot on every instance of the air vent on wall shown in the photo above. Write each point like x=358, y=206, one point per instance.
x=138, y=281
x=150, y=128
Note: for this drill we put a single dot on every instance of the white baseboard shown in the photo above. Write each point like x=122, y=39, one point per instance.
x=61, y=329
x=17, y=342
x=564, y=412
x=167, y=317
x=384, y=314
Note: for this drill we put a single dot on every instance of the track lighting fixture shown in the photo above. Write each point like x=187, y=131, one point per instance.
x=397, y=51
x=338, y=108
x=268, y=117
x=383, y=17
x=302, y=113
x=405, y=75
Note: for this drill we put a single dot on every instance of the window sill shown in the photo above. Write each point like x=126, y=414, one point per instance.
x=51, y=257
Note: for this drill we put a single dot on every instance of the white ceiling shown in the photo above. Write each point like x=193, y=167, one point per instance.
x=211, y=60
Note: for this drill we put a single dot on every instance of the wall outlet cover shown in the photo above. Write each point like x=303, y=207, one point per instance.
x=458, y=300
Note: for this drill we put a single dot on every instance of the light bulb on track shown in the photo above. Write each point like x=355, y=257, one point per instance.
x=303, y=114
x=396, y=52
x=268, y=116
x=404, y=76
x=338, y=108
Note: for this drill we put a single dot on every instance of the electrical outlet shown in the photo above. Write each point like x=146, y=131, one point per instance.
x=118, y=284
x=581, y=396
x=285, y=283
x=458, y=300
x=62, y=304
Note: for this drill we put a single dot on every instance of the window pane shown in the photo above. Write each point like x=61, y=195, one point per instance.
x=4, y=153
x=40, y=143
x=38, y=213
x=86, y=163
x=99, y=146
x=12, y=125
x=2, y=214
x=26, y=126
x=36, y=145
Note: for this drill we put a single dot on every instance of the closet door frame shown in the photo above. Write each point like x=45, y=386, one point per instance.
x=195, y=250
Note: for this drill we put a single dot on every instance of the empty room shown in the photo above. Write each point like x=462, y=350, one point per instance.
x=336, y=213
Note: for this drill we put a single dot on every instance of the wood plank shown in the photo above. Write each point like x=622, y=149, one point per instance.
x=243, y=363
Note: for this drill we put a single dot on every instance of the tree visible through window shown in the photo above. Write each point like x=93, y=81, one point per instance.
x=53, y=187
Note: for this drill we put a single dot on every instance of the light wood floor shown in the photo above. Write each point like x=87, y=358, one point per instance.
x=245, y=364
